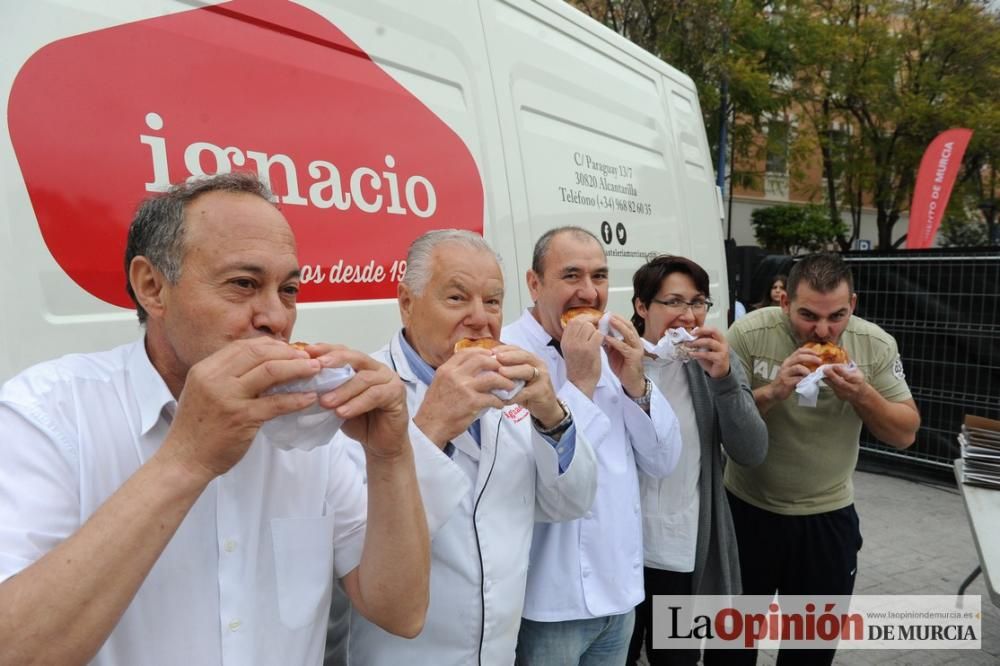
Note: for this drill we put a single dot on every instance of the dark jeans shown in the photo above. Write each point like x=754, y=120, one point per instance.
x=795, y=555
x=658, y=581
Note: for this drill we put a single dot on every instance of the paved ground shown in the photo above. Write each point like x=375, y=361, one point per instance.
x=916, y=541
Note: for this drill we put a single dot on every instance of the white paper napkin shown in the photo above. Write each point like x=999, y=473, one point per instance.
x=808, y=386
x=507, y=395
x=313, y=426
x=604, y=327
x=669, y=347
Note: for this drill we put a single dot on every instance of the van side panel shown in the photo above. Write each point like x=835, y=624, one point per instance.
x=697, y=185
x=520, y=115
x=44, y=313
x=589, y=140
x=435, y=51
x=429, y=119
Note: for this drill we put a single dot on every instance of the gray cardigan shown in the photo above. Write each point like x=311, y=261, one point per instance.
x=727, y=419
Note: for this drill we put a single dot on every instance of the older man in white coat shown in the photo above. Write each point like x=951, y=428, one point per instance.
x=513, y=461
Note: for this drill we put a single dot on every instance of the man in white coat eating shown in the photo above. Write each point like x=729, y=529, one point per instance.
x=586, y=575
x=514, y=458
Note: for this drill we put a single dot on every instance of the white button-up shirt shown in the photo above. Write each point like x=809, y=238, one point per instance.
x=247, y=577
x=592, y=567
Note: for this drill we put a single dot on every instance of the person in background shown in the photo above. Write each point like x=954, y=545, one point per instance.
x=739, y=310
x=772, y=298
x=796, y=525
x=689, y=544
x=585, y=577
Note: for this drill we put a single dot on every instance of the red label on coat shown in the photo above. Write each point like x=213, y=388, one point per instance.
x=359, y=165
x=515, y=413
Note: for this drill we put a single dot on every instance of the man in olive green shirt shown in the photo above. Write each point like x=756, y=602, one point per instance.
x=796, y=525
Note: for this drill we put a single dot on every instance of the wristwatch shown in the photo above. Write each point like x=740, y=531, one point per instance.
x=556, y=431
x=647, y=395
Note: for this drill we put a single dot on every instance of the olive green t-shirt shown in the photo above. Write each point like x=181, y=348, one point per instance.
x=812, y=451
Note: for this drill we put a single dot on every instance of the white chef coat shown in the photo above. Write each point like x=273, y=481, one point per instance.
x=592, y=567
x=480, y=556
x=247, y=577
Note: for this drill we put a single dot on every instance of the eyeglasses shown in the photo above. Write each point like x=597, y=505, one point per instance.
x=680, y=305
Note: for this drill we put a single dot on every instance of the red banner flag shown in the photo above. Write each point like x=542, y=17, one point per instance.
x=936, y=177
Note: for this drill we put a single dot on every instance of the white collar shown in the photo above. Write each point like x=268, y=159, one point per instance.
x=151, y=391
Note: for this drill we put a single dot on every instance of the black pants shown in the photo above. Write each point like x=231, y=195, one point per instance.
x=795, y=555
x=658, y=581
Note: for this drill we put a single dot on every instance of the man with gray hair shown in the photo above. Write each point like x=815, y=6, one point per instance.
x=514, y=459
x=144, y=519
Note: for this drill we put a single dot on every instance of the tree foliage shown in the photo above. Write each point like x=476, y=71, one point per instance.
x=711, y=41
x=794, y=229
x=961, y=232
x=896, y=73
x=869, y=85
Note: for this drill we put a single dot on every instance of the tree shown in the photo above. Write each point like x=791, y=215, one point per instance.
x=896, y=73
x=961, y=232
x=978, y=186
x=870, y=84
x=710, y=40
x=792, y=229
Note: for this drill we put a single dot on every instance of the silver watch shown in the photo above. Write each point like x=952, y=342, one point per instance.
x=558, y=429
x=647, y=395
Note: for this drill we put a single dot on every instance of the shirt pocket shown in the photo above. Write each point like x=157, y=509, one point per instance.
x=303, y=563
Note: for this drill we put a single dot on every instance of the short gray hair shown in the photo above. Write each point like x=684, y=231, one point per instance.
x=542, y=244
x=157, y=230
x=421, y=252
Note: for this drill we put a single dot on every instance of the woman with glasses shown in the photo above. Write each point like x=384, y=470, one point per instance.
x=688, y=540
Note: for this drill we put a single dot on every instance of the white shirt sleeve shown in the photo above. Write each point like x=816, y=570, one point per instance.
x=39, y=491
x=588, y=418
x=656, y=437
x=347, y=499
x=567, y=495
x=443, y=484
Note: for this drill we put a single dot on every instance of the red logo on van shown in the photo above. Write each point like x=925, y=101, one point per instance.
x=359, y=165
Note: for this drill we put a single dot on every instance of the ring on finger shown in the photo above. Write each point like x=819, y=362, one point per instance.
x=534, y=374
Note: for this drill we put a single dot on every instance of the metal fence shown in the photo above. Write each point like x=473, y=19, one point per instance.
x=942, y=306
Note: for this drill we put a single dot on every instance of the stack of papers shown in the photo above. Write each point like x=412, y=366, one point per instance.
x=980, y=442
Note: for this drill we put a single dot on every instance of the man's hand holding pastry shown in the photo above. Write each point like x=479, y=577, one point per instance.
x=223, y=403
x=625, y=356
x=372, y=402
x=581, y=348
x=793, y=369
x=847, y=383
x=538, y=395
x=461, y=390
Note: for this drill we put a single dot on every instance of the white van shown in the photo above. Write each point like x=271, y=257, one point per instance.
x=374, y=122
